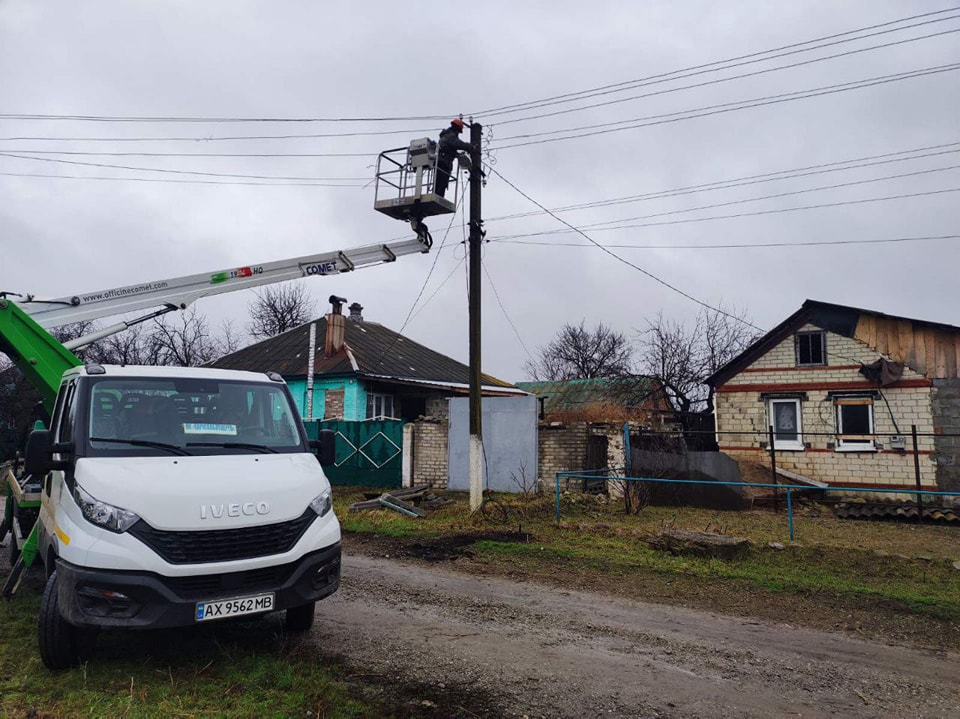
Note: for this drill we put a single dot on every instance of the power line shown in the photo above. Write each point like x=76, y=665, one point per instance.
x=362, y=180
x=617, y=257
x=706, y=111
x=439, y=287
x=504, y=310
x=655, y=278
x=721, y=80
x=736, y=215
x=745, y=245
x=170, y=181
x=208, y=119
x=794, y=173
x=222, y=138
x=189, y=154
x=628, y=83
x=836, y=186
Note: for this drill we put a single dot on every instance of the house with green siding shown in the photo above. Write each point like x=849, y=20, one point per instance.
x=361, y=370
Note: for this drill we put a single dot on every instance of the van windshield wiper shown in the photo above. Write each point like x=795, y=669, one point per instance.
x=144, y=443
x=235, y=445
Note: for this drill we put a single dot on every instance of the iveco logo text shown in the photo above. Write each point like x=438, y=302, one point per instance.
x=233, y=510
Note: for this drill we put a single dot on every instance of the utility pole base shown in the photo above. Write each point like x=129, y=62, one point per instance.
x=476, y=472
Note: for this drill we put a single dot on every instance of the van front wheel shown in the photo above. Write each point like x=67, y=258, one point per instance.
x=62, y=645
x=300, y=619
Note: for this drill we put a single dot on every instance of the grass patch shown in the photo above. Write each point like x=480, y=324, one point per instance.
x=242, y=669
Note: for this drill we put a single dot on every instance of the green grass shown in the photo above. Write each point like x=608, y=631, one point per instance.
x=237, y=670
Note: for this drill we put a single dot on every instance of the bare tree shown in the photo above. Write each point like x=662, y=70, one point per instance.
x=229, y=340
x=184, y=342
x=280, y=308
x=576, y=352
x=682, y=357
x=130, y=347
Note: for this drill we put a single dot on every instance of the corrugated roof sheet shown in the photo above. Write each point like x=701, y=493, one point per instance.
x=573, y=394
x=903, y=511
x=376, y=349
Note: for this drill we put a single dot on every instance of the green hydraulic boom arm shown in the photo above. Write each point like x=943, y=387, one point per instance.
x=40, y=357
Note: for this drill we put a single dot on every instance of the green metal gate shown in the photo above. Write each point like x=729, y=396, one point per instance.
x=369, y=452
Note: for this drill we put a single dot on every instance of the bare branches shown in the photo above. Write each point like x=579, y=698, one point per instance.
x=280, y=308
x=184, y=341
x=580, y=353
x=681, y=358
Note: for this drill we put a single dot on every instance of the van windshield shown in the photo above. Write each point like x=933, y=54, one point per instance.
x=178, y=416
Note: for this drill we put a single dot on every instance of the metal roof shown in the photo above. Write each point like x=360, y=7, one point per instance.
x=375, y=351
x=573, y=394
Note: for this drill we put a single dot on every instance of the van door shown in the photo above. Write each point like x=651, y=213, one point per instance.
x=61, y=429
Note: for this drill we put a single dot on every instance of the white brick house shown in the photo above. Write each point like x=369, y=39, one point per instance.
x=833, y=420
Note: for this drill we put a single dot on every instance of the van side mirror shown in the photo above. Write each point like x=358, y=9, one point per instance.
x=38, y=460
x=325, y=447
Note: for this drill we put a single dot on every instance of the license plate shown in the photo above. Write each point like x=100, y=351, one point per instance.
x=223, y=608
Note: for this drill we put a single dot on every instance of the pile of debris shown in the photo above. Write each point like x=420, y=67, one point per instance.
x=410, y=501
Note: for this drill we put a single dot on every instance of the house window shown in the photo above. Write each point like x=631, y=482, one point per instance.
x=811, y=349
x=380, y=406
x=854, y=423
x=786, y=422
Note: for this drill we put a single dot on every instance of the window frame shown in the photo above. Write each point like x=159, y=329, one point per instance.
x=790, y=445
x=372, y=398
x=823, y=348
x=854, y=445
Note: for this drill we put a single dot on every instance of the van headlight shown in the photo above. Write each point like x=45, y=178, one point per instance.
x=322, y=503
x=103, y=514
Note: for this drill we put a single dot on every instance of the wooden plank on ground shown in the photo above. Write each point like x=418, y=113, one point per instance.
x=398, y=505
x=800, y=479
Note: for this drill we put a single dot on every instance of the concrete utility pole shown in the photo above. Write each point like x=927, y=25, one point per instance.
x=475, y=241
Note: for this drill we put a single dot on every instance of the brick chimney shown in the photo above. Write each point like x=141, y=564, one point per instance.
x=336, y=327
x=356, y=310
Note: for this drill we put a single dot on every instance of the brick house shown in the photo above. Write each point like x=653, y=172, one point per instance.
x=842, y=387
x=362, y=370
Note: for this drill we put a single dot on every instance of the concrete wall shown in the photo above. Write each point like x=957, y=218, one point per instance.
x=945, y=402
x=706, y=466
x=740, y=408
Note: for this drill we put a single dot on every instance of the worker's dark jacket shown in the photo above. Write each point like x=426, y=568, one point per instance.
x=450, y=143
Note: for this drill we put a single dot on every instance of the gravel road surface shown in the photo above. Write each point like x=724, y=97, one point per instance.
x=495, y=647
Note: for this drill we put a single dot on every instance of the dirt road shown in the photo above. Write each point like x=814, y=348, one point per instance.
x=501, y=648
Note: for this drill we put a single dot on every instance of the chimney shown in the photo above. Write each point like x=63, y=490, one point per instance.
x=336, y=327
x=355, y=312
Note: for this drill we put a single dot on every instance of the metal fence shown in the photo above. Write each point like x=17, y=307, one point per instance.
x=770, y=444
x=787, y=488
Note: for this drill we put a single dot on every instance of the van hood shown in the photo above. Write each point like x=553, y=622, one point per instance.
x=205, y=493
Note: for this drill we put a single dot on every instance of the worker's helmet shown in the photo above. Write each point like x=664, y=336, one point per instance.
x=457, y=123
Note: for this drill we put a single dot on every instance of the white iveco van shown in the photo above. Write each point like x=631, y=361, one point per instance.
x=173, y=496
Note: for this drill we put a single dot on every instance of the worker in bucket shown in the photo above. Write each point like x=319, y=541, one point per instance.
x=450, y=144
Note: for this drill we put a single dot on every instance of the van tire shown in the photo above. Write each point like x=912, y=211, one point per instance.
x=62, y=645
x=300, y=619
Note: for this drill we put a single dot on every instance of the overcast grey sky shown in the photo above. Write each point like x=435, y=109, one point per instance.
x=385, y=59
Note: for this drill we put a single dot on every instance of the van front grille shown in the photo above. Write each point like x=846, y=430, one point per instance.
x=223, y=545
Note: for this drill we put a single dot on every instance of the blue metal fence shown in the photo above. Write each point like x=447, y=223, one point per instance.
x=789, y=489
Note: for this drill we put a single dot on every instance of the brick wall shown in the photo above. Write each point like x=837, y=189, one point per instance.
x=563, y=448
x=333, y=403
x=428, y=445
x=745, y=411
